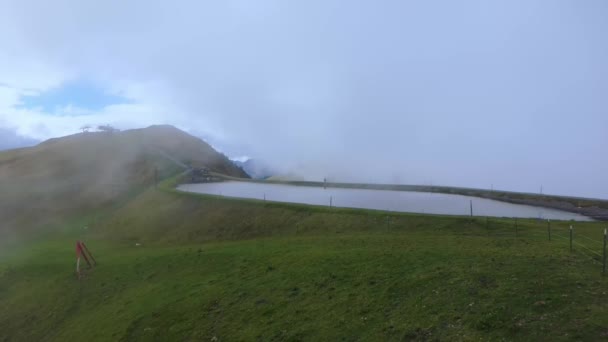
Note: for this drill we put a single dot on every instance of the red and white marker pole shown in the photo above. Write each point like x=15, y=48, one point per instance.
x=78, y=255
x=81, y=252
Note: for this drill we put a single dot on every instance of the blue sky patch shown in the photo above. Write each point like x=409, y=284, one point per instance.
x=79, y=94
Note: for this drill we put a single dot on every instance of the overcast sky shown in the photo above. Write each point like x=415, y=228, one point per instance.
x=512, y=94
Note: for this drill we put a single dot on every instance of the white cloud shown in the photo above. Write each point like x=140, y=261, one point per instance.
x=241, y=159
x=464, y=93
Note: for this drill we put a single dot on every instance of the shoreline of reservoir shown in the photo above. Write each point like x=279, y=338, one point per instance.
x=596, y=209
x=415, y=202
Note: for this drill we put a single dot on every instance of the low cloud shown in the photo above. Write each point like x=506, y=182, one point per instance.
x=472, y=94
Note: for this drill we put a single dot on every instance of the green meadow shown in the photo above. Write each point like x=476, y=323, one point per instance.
x=184, y=267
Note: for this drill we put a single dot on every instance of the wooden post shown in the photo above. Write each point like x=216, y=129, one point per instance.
x=471, y=203
x=549, y=228
x=604, y=255
x=89, y=253
x=331, y=199
x=570, y=239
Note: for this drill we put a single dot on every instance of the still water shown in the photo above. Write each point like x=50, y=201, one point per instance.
x=404, y=201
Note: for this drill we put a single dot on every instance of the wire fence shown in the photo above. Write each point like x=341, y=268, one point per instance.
x=582, y=241
x=592, y=248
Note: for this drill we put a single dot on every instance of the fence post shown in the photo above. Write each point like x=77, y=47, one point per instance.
x=604, y=255
x=570, y=239
x=549, y=228
x=331, y=200
x=471, y=203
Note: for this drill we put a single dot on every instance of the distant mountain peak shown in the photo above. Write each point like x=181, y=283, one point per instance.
x=255, y=168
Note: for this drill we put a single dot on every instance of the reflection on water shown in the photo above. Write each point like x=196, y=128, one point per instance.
x=404, y=201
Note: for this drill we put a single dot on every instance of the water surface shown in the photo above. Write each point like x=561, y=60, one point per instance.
x=403, y=201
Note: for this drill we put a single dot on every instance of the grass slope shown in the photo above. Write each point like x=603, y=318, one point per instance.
x=218, y=269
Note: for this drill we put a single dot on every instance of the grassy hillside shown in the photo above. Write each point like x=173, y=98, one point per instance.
x=215, y=269
x=65, y=176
